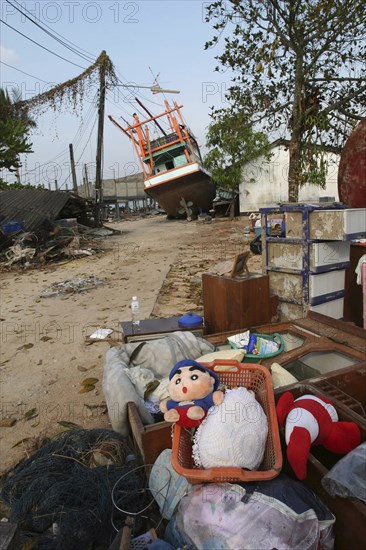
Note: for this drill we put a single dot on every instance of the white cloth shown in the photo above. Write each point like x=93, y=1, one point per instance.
x=358, y=269
x=233, y=434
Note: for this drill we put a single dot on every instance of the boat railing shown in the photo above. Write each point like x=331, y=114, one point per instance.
x=163, y=140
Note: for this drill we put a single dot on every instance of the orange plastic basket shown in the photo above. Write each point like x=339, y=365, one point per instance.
x=234, y=374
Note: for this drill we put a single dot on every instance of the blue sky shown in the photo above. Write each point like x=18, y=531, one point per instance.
x=167, y=36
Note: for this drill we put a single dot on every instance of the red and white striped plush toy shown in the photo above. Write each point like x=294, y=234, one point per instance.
x=312, y=420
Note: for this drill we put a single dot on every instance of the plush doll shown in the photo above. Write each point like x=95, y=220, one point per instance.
x=312, y=420
x=193, y=390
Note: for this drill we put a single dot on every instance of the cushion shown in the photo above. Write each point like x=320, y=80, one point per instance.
x=233, y=434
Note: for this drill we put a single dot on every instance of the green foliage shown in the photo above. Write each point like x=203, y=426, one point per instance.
x=14, y=128
x=12, y=143
x=5, y=186
x=298, y=69
x=232, y=143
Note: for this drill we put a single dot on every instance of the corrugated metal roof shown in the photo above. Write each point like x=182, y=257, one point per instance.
x=32, y=206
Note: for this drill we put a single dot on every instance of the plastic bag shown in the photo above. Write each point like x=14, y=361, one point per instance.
x=348, y=477
x=256, y=245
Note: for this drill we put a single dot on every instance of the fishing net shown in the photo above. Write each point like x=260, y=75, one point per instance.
x=61, y=495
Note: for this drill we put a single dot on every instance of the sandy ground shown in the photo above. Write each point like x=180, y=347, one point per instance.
x=44, y=354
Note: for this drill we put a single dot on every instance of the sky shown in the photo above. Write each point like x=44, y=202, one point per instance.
x=143, y=38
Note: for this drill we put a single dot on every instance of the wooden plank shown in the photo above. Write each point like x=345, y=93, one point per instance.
x=334, y=329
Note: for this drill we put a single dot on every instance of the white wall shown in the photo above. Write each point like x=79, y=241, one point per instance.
x=265, y=183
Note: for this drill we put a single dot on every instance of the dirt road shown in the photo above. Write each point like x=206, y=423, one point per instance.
x=44, y=356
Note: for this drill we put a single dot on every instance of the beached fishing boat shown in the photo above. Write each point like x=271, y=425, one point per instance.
x=171, y=162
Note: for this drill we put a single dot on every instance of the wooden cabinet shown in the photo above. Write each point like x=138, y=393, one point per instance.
x=235, y=303
x=353, y=292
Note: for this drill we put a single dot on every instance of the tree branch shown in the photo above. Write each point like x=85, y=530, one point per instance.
x=350, y=115
x=336, y=79
x=342, y=101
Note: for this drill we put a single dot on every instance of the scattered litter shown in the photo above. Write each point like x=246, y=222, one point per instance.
x=101, y=333
x=71, y=286
x=16, y=253
x=100, y=232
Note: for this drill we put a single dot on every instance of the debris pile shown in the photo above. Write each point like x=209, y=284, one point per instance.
x=50, y=242
x=38, y=226
x=71, y=286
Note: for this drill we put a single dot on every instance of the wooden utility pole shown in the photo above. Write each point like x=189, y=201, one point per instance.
x=98, y=171
x=73, y=172
x=88, y=194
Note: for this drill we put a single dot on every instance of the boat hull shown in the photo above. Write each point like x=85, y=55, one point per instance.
x=196, y=187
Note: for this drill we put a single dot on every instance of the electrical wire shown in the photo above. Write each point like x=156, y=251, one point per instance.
x=64, y=154
x=51, y=34
x=43, y=47
x=88, y=140
x=31, y=75
x=92, y=56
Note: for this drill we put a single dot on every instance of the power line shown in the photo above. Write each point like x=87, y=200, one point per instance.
x=43, y=47
x=89, y=59
x=31, y=75
x=92, y=56
x=88, y=140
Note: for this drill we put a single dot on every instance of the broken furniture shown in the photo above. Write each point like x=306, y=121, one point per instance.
x=230, y=303
x=307, y=267
x=317, y=340
x=330, y=357
x=352, y=310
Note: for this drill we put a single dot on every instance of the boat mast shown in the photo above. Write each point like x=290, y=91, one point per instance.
x=150, y=115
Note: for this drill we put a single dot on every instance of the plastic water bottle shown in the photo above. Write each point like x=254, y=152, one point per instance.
x=135, y=311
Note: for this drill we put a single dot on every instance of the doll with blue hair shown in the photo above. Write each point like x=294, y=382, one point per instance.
x=193, y=390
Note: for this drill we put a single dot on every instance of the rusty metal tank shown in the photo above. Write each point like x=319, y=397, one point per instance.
x=352, y=169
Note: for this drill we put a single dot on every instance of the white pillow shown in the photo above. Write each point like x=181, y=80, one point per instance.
x=233, y=434
x=236, y=354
